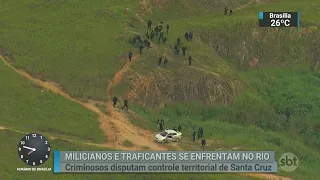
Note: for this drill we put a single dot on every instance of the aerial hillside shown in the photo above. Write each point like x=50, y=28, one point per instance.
x=250, y=88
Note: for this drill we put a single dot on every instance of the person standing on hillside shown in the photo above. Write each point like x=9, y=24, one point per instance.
x=226, y=10
x=177, y=51
x=164, y=40
x=152, y=35
x=203, y=143
x=140, y=48
x=160, y=61
x=186, y=35
x=178, y=41
x=125, y=104
x=149, y=24
x=190, y=36
x=168, y=29
x=230, y=12
x=147, y=35
x=199, y=132
x=176, y=48
x=161, y=33
x=184, y=50
x=156, y=29
x=130, y=55
x=194, y=135
x=165, y=62
x=115, y=99
x=179, y=127
x=190, y=59
x=161, y=126
x=162, y=122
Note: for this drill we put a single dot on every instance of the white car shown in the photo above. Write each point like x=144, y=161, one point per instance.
x=168, y=136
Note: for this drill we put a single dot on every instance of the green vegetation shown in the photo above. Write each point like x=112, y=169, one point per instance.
x=10, y=162
x=29, y=108
x=128, y=143
x=273, y=105
x=250, y=88
x=76, y=44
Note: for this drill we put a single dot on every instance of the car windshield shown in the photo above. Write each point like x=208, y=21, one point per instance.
x=163, y=133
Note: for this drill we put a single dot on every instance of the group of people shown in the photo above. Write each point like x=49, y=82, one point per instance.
x=188, y=36
x=164, y=62
x=226, y=10
x=158, y=32
x=200, y=133
x=125, y=103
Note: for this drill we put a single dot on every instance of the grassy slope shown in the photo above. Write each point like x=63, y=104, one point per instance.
x=69, y=42
x=282, y=102
x=89, y=79
x=8, y=170
x=25, y=108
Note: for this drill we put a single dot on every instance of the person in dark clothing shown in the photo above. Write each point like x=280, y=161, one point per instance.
x=186, y=35
x=176, y=49
x=161, y=126
x=140, y=48
x=147, y=43
x=130, y=55
x=178, y=41
x=230, y=12
x=164, y=40
x=194, y=135
x=179, y=127
x=156, y=29
x=165, y=62
x=162, y=122
x=160, y=61
x=184, y=50
x=115, y=99
x=203, y=143
x=148, y=36
x=167, y=29
x=161, y=34
x=226, y=10
x=125, y=104
x=190, y=36
x=152, y=35
x=199, y=133
x=190, y=59
x=149, y=24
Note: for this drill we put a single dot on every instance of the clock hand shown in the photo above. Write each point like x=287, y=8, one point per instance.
x=30, y=153
x=33, y=149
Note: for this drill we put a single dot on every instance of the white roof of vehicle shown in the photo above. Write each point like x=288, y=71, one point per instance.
x=170, y=131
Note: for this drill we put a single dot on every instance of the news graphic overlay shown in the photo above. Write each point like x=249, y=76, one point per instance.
x=279, y=19
x=288, y=162
x=34, y=149
x=164, y=161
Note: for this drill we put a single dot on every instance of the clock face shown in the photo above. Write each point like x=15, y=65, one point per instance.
x=34, y=149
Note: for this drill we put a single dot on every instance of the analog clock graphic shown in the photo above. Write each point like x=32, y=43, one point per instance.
x=34, y=149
